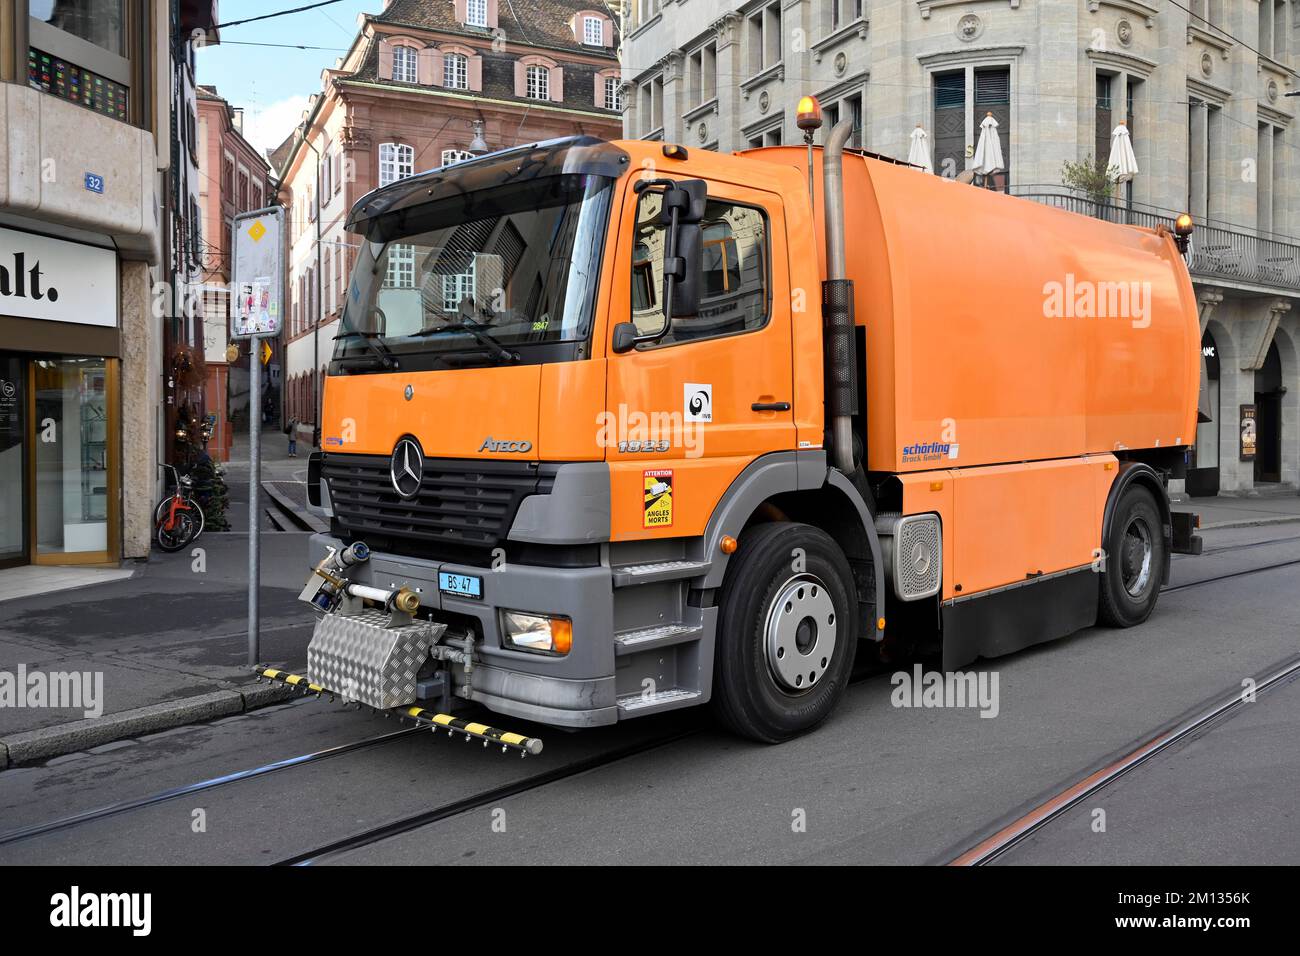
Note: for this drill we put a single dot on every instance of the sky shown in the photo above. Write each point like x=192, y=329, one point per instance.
x=272, y=83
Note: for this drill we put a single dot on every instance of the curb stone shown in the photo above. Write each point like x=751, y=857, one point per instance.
x=1250, y=522
x=78, y=735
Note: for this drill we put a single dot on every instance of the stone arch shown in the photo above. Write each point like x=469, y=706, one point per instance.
x=1287, y=341
x=1234, y=385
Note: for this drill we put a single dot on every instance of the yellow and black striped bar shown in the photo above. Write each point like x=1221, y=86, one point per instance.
x=293, y=680
x=454, y=725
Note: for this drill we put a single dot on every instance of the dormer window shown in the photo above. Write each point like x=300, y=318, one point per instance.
x=593, y=31
x=405, y=69
x=476, y=13
x=539, y=83
x=455, y=71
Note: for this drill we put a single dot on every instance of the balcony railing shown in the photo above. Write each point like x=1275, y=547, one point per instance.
x=1217, y=251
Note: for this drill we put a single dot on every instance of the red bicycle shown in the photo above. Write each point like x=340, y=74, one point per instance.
x=178, y=519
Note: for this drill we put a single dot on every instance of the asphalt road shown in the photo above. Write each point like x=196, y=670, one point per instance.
x=876, y=784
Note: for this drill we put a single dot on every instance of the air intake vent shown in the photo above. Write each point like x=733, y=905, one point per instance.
x=913, y=552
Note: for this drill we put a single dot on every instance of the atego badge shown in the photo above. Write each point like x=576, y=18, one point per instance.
x=658, y=499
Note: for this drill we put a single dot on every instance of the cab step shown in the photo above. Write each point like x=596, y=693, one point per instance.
x=631, y=575
x=660, y=700
x=651, y=638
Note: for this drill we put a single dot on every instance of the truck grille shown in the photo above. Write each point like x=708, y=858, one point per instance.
x=460, y=503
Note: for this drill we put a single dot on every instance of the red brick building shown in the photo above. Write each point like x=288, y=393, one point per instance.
x=427, y=83
x=234, y=178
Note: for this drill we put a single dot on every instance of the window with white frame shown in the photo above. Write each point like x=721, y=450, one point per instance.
x=476, y=13
x=401, y=267
x=456, y=288
x=593, y=31
x=455, y=71
x=450, y=156
x=405, y=69
x=539, y=83
x=613, y=94
x=396, y=161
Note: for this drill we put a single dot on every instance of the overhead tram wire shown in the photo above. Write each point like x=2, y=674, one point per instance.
x=269, y=16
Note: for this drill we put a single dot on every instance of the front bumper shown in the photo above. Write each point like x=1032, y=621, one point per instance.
x=573, y=691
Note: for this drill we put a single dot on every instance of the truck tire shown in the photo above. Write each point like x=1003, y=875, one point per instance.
x=1135, y=559
x=787, y=632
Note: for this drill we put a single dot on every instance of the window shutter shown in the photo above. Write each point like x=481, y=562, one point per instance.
x=598, y=90
x=476, y=73
x=430, y=67
x=461, y=13
x=521, y=79
x=385, y=60
x=557, y=84
x=607, y=32
x=492, y=14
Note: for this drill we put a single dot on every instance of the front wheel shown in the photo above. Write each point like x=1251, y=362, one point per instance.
x=787, y=632
x=1135, y=559
x=185, y=528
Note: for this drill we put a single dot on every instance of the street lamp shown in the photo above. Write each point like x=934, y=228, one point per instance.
x=320, y=302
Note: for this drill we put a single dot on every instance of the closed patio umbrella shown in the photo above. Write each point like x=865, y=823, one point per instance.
x=988, y=151
x=1123, y=164
x=918, y=154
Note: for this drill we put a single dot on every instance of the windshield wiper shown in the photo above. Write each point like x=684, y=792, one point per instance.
x=375, y=343
x=494, y=348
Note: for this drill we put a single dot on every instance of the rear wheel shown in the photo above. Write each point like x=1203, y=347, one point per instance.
x=787, y=632
x=1135, y=559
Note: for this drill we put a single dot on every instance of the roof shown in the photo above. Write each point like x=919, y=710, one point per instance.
x=530, y=22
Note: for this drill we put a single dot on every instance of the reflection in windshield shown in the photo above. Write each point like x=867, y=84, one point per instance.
x=520, y=264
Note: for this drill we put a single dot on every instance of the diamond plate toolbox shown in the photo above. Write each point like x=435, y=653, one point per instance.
x=359, y=658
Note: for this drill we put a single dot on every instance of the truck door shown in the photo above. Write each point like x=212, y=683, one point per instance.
x=685, y=415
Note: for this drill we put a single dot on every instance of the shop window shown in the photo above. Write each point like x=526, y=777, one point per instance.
x=74, y=470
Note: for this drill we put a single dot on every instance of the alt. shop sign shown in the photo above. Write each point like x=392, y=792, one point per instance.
x=44, y=278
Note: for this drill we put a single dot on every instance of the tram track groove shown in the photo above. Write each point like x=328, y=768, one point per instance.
x=1010, y=835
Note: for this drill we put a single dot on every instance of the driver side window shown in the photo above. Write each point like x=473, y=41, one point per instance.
x=734, y=283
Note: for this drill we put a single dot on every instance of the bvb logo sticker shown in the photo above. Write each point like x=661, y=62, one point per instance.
x=658, y=499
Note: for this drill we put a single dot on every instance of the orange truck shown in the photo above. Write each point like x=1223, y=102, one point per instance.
x=617, y=428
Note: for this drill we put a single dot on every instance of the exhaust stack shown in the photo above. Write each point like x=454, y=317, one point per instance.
x=837, y=305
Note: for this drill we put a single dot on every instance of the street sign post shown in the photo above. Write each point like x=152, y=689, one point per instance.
x=256, y=308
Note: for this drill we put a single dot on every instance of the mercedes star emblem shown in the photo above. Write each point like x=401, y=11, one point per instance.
x=407, y=468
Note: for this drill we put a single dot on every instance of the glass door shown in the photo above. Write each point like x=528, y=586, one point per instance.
x=13, y=470
x=75, y=470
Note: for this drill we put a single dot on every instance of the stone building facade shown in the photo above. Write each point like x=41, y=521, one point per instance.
x=425, y=83
x=1205, y=92
x=87, y=98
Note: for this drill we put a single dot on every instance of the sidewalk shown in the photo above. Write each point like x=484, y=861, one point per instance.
x=1224, y=511
x=163, y=641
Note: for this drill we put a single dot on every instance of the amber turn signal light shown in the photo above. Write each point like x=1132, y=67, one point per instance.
x=728, y=544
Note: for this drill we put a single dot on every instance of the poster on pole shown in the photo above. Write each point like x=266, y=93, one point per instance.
x=257, y=274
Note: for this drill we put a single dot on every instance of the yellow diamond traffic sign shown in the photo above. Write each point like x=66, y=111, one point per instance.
x=257, y=231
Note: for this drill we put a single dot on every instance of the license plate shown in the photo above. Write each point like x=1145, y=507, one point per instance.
x=463, y=585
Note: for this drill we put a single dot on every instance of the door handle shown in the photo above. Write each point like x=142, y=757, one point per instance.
x=770, y=407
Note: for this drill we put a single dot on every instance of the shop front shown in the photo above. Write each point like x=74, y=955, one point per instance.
x=60, y=407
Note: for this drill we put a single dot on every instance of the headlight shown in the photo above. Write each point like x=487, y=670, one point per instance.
x=539, y=633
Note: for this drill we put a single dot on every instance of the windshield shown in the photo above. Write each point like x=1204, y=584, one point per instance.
x=487, y=276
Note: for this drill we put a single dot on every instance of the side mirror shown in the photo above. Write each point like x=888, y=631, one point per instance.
x=686, y=269
x=688, y=197
x=625, y=336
